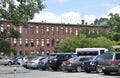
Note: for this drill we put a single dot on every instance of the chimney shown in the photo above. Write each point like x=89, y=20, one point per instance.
x=96, y=22
x=82, y=21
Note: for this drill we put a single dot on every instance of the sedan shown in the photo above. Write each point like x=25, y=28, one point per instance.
x=75, y=63
x=33, y=63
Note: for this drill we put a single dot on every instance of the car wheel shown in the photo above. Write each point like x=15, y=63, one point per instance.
x=9, y=63
x=79, y=69
x=119, y=70
x=43, y=68
x=54, y=69
x=106, y=72
x=87, y=70
x=69, y=70
x=98, y=69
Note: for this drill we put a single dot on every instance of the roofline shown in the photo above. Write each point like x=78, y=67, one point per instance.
x=65, y=24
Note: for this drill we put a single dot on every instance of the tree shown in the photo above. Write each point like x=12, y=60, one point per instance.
x=6, y=47
x=114, y=23
x=81, y=41
x=19, y=12
x=9, y=34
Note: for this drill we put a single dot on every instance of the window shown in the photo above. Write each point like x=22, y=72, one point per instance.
x=37, y=42
x=26, y=30
x=20, y=42
x=2, y=28
x=26, y=42
x=107, y=56
x=14, y=41
x=71, y=31
x=66, y=30
x=52, y=30
x=32, y=30
x=14, y=27
x=47, y=30
x=8, y=28
x=37, y=29
x=76, y=31
x=118, y=56
x=57, y=41
x=42, y=28
x=62, y=31
x=48, y=42
x=32, y=42
x=57, y=30
x=20, y=29
x=42, y=42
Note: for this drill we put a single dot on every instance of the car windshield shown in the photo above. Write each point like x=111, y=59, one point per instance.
x=35, y=58
x=96, y=57
x=48, y=58
x=71, y=59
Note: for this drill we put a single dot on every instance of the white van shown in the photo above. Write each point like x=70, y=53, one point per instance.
x=90, y=51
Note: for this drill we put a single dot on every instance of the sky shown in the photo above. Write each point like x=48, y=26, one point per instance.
x=73, y=11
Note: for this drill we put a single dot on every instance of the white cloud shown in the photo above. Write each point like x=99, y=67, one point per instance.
x=71, y=17
x=48, y=17
x=67, y=17
x=115, y=10
x=89, y=18
x=61, y=1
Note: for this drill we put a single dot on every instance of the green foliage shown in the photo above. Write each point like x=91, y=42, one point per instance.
x=114, y=22
x=11, y=33
x=6, y=47
x=19, y=12
x=81, y=41
x=14, y=33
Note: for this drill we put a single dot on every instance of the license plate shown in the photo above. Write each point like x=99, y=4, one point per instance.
x=103, y=67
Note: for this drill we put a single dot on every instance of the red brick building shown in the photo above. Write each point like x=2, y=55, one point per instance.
x=44, y=37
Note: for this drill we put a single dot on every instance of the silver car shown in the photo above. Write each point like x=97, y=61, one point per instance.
x=33, y=63
x=3, y=60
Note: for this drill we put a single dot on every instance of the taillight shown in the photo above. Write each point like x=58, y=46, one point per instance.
x=113, y=62
x=43, y=62
x=32, y=62
x=55, y=59
x=69, y=62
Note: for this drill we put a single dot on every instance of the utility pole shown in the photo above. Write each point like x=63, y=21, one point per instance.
x=22, y=36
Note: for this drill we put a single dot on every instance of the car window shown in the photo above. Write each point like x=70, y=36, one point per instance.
x=107, y=56
x=84, y=58
x=71, y=59
x=1, y=57
x=117, y=56
x=61, y=57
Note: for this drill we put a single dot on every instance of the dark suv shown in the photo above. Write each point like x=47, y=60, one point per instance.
x=109, y=62
x=56, y=62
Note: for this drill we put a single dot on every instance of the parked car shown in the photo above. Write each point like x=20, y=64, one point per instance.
x=15, y=60
x=11, y=61
x=44, y=63
x=33, y=63
x=3, y=60
x=56, y=62
x=92, y=65
x=109, y=62
x=75, y=63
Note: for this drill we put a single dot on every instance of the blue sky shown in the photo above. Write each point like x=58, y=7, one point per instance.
x=73, y=11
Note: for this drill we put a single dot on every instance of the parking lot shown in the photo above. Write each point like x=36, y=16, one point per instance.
x=8, y=72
